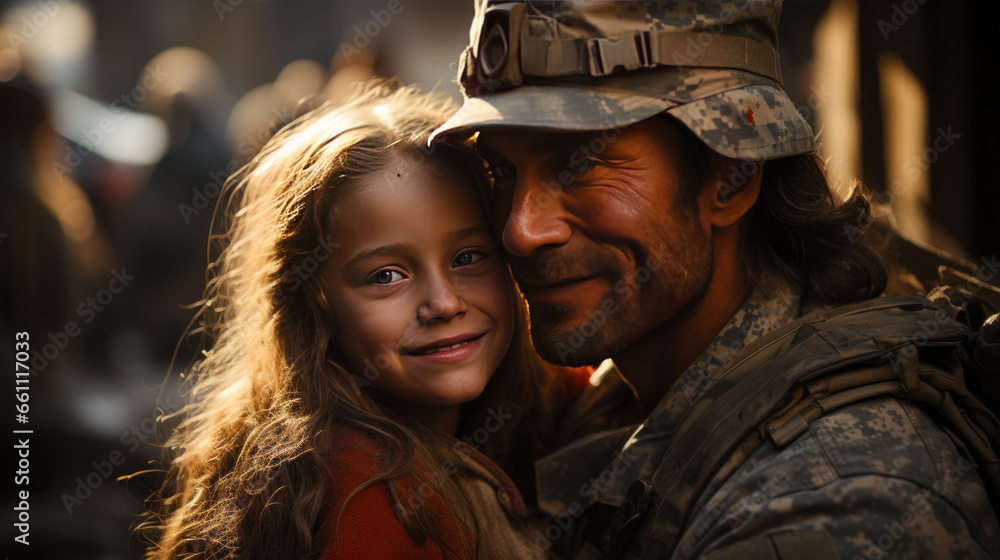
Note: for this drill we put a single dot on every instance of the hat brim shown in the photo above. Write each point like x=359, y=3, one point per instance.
x=552, y=107
x=755, y=122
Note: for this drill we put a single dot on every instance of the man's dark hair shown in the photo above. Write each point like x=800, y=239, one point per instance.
x=796, y=230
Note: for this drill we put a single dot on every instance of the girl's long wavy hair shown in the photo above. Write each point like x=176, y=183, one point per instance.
x=249, y=460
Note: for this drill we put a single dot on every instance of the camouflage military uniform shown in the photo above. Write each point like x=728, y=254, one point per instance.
x=879, y=479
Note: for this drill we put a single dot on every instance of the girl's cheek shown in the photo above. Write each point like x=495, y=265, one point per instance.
x=493, y=285
x=495, y=295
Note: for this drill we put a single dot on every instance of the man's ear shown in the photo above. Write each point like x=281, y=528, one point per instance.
x=733, y=196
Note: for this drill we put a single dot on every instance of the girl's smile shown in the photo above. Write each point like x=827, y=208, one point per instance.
x=448, y=350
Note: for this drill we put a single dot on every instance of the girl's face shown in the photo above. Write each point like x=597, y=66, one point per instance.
x=422, y=300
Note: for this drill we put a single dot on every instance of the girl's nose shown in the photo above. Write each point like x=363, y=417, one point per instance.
x=442, y=301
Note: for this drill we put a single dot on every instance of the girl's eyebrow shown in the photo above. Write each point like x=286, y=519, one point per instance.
x=377, y=252
x=469, y=232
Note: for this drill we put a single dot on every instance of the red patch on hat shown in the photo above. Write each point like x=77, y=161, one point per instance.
x=750, y=116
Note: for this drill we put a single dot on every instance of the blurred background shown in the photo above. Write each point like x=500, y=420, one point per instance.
x=120, y=120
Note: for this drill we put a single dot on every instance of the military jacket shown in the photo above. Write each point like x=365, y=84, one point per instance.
x=878, y=479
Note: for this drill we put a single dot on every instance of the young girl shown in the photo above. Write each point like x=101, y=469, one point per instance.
x=360, y=317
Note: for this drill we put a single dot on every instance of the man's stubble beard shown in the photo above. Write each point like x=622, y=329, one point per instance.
x=640, y=308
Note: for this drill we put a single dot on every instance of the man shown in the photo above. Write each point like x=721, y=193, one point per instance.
x=663, y=205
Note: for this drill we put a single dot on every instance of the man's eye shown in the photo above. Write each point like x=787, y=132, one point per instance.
x=502, y=173
x=586, y=164
x=384, y=277
x=579, y=167
x=467, y=258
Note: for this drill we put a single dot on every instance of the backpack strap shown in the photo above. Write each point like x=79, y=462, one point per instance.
x=780, y=384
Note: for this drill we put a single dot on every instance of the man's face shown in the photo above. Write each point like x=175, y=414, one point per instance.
x=598, y=239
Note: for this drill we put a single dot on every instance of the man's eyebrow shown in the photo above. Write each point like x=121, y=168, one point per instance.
x=486, y=151
x=570, y=142
x=377, y=252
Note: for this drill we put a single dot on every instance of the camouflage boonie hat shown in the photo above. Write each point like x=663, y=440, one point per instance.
x=596, y=65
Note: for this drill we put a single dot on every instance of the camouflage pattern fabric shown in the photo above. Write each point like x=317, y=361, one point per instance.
x=559, y=474
x=877, y=479
x=880, y=477
x=587, y=66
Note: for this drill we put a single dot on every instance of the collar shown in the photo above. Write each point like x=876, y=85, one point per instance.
x=478, y=464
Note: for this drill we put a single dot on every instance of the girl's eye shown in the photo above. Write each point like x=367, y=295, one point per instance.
x=467, y=258
x=384, y=277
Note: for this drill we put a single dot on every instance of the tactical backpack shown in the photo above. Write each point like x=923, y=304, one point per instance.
x=915, y=348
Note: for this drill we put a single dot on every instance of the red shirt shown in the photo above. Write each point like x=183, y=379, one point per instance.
x=369, y=527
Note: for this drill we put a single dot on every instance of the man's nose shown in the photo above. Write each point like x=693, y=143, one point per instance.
x=536, y=218
x=441, y=300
